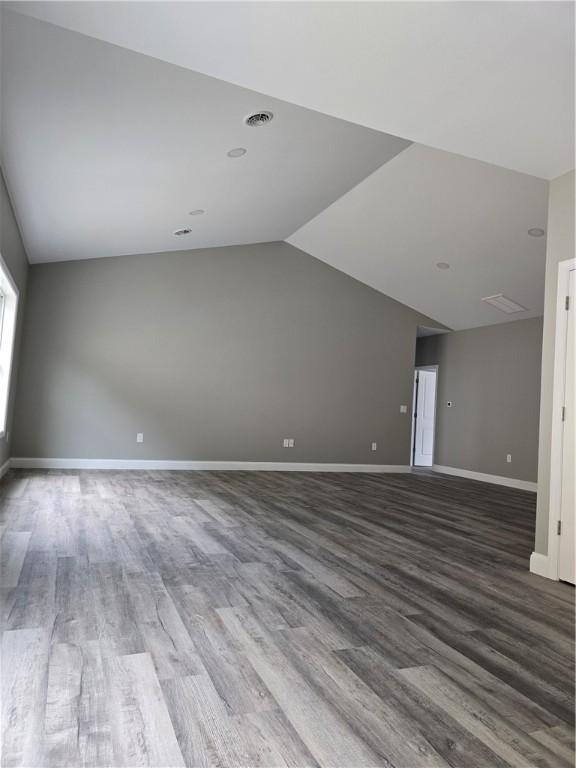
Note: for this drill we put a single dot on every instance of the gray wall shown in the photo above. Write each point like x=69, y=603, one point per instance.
x=14, y=256
x=215, y=355
x=492, y=376
x=559, y=247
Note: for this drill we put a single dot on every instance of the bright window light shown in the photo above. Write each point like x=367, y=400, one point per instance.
x=8, y=310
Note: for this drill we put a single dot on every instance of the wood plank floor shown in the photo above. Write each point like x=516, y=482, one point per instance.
x=278, y=619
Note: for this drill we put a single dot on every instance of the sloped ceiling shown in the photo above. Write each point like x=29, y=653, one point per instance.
x=427, y=207
x=106, y=151
x=131, y=142
x=489, y=80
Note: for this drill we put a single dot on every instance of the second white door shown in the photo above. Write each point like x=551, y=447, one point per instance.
x=566, y=563
x=424, y=417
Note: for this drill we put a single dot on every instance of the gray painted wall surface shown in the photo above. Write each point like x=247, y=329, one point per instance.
x=214, y=355
x=14, y=256
x=492, y=376
x=559, y=247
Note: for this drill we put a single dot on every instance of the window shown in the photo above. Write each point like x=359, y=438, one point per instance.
x=8, y=309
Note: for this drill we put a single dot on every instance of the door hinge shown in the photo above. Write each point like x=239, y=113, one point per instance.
x=559, y=527
x=563, y=413
x=567, y=303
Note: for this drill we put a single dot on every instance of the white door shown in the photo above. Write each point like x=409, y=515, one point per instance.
x=424, y=417
x=566, y=569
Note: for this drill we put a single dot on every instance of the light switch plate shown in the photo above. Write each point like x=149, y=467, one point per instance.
x=140, y=437
x=403, y=409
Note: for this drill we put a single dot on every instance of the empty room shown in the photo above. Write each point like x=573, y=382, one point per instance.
x=287, y=384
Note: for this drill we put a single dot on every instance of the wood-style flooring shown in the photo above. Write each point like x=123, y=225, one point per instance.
x=278, y=619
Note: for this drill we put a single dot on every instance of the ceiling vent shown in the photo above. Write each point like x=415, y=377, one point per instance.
x=258, y=119
x=504, y=304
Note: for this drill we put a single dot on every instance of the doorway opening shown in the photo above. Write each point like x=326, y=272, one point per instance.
x=424, y=415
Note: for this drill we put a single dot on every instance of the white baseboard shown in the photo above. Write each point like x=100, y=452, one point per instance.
x=5, y=467
x=540, y=565
x=246, y=466
x=523, y=485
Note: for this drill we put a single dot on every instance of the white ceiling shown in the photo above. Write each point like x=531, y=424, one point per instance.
x=106, y=151
x=488, y=80
x=427, y=206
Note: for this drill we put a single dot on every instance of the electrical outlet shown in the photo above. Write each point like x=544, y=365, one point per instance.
x=140, y=437
x=285, y=443
x=509, y=458
x=403, y=409
x=374, y=446
x=291, y=443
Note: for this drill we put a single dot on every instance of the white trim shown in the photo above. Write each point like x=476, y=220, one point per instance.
x=560, y=338
x=260, y=466
x=8, y=327
x=511, y=482
x=540, y=565
x=5, y=467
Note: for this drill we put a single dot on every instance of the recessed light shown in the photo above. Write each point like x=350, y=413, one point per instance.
x=238, y=152
x=536, y=232
x=197, y=212
x=258, y=119
x=443, y=265
x=183, y=231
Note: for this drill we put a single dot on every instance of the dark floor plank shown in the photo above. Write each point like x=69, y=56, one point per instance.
x=278, y=620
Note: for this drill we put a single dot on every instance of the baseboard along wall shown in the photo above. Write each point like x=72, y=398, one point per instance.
x=540, y=566
x=246, y=466
x=523, y=485
x=20, y=462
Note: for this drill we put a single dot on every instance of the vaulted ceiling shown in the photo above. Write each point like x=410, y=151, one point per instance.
x=489, y=80
x=429, y=207
x=107, y=151
x=117, y=117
